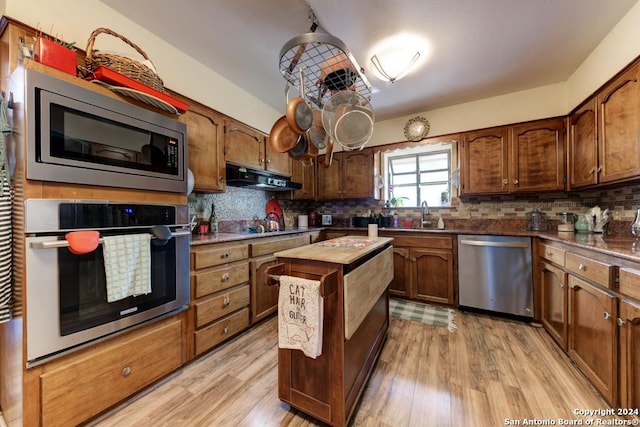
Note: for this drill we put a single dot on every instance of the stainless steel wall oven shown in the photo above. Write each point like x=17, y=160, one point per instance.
x=66, y=293
x=78, y=135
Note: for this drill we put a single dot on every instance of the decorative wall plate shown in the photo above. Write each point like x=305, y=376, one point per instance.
x=416, y=129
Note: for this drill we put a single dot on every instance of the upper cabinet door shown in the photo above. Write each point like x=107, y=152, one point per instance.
x=206, y=157
x=357, y=174
x=484, y=161
x=243, y=145
x=619, y=128
x=537, y=156
x=279, y=163
x=583, y=146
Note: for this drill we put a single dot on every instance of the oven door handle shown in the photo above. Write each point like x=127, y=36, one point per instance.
x=54, y=244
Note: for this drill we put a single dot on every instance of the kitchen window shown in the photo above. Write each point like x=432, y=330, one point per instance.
x=419, y=174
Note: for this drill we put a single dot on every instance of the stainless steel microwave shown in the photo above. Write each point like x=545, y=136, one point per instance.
x=78, y=135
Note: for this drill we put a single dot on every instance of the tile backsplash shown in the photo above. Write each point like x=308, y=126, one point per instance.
x=247, y=204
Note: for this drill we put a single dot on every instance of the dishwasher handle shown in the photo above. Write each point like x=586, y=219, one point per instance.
x=494, y=244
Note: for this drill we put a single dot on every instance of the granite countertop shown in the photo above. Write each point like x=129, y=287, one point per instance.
x=614, y=245
x=620, y=246
x=197, y=239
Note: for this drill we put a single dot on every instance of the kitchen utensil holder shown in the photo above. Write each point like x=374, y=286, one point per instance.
x=123, y=65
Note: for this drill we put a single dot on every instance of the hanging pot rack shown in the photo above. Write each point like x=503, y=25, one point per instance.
x=312, y=52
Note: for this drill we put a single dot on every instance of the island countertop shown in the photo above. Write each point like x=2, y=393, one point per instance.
x=342, y=250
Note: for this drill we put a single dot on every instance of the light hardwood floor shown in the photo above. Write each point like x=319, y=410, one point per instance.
x=483, y=373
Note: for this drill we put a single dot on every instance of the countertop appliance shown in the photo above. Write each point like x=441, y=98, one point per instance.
x=238, y=176
x=495, y=274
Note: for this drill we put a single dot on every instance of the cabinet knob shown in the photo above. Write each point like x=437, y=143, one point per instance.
x=620, y=322
x=225, y=277
x=126, y=371
x=582, y=267
x=413, y=259
x=225, y=255
x=561, y=286
x=268, y=160
x=222, y=179
x=599, y=169
x=505, y=182
x=226, y=301
x=516, y=182
x=606, y=315
x=592, y=171
x=226, y=330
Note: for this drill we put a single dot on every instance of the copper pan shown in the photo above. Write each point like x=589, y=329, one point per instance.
x=282, y=138
x=298, y=113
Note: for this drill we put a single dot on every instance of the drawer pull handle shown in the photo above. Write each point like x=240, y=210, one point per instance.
x=606, y=315
x=549, y=253
x=225, y=277
x=226, y=301
x=126, y=371
x=225, y=255
x=620, y=322
x=226, y=330
x=582, y=267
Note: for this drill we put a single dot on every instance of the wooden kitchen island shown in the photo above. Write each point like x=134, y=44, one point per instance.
x=355, y=272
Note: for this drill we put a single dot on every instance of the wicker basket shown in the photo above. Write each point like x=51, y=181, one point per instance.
x=126, y=66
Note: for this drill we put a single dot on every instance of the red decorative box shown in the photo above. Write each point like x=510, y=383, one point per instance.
x=55, y=55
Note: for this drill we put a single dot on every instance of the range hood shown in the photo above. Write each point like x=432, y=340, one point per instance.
x=238, y=176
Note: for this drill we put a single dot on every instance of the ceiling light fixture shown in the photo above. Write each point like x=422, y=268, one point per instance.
x=398, y=75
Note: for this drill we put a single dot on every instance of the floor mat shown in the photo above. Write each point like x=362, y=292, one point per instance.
x=424, y=313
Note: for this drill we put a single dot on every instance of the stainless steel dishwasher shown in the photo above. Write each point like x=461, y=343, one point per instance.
x=494, y=273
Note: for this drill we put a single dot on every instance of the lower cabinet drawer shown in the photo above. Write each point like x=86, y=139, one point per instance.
x=211, y=308
x=597, y=271
x=218, y=279
x=114, y=373
x=552, y=253
x=629, y=282
x=221, y=330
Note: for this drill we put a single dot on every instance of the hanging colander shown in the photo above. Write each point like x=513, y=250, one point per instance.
x=348, y=118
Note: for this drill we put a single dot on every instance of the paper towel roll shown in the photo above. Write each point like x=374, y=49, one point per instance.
x=373, y=230
x=303, y=221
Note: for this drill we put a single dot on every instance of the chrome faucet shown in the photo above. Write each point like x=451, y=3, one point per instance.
x=426, y=215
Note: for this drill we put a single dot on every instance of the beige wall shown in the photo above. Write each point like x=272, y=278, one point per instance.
x=76, y=20
x=620, y=46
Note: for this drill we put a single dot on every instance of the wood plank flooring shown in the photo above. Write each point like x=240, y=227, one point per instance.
x=485, y=372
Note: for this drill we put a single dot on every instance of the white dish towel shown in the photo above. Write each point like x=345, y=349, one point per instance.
x=127, y=265
x=300, y=315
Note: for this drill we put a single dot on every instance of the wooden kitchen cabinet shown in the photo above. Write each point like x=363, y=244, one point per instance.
x=526, y=157
x=352, y=175
x=424, y=267
x=582, y=146
x=264, y=298
x=619, y=127
x=117, y=368
x=401, y=273
x=245, y=146
x=305, y=174
x=537, y=156
x=484, y=164
x=205, y=130
x=593, y=335
x=553, y=302
x=629, y=328
x=220, y=295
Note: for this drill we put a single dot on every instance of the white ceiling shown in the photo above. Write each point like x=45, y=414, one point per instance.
x=479, y=48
